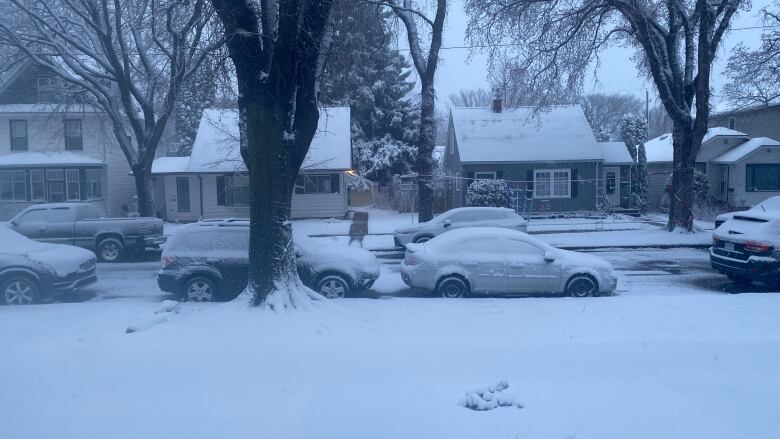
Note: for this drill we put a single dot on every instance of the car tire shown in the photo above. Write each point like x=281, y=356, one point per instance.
x=199, y=289
x=19, y=290
x=737, y=279
x=453, y=287
x=332, y=286
x=582, y=285
x=421, y=239
x=110, y=250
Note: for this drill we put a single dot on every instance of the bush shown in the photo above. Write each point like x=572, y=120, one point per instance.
x=488, y=193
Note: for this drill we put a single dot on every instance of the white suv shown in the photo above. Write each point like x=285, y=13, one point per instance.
x=459, y=218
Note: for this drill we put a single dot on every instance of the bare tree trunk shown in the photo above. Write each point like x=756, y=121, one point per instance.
x=271, y=254
x=425, y=146
x=681, y=197
x=143, y=189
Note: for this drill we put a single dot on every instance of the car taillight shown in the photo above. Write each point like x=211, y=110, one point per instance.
x=167, y=261
x=714, y=239
x=411, y=260
x=758, y=247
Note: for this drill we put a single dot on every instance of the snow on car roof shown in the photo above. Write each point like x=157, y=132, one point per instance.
x=515, y=135
x=216, y=146
x=661, y=149
x=459, y=235
x=745, y=149
x=32, y=158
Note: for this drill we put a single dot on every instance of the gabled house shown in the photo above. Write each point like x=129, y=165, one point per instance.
x=759, y=121
x=53, y=151
x=212, y=182
x=551, y=162
x=741, y=171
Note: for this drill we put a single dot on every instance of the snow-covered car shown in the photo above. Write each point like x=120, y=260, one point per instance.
x=502, y=261
x=747, y=246
x=31, y=271
x=771, y=203
x=459, y=218
x=209, y=260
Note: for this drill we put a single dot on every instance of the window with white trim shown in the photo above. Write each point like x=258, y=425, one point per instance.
x=94, y=184
x=552, y=183
x=37, y=185
x=73, y=184
x=13, y=186
x=55, y=184
x=485, y=175
x=19, y=140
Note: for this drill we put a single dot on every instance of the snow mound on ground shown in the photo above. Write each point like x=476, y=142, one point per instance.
x=489, y=398
x=292, y=294
x=161, y=315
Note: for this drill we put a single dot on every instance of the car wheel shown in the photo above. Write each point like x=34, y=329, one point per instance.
x=453, y=288
x=421, y=239
x=739, y=279
x=582, y=286
x=19, y=290
x=333, y=287
x=110, y=250
x=200, y=289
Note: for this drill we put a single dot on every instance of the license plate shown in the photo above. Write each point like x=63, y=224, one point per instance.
x=729, y=246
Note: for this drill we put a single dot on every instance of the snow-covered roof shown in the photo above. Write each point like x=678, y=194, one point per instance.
x=170, y=165
x=516, y=135
x=47, y=158
x=744, y=149
x=48, y=108
x=661, y=149
x=615, y=153
x=216, y=146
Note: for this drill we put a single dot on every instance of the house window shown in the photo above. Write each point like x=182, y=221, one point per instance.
x=94, y=184
x=37, y=185
x=552, y=183
x=73, y=184
x=19, y=135
x=723, y=183
x=611, y=182
x=13, y=186
x=233, y=190
x=55, y=185
x=73, y=138
x=485, y=175
x=732, y=123
x=763, y=177
x=317, y=184
x=46, y=88
x=183, y=194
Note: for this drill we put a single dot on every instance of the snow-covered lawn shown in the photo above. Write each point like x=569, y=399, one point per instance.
x=631, y=366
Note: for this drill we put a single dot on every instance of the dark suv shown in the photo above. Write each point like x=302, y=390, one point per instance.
x=745, y=247
x=209, y=261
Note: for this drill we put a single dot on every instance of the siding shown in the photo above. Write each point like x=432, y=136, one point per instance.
x=757, y=122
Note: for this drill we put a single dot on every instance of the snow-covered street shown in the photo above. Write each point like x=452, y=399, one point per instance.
x=670, y=356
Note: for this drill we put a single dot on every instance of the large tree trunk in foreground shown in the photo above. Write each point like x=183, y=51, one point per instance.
x=143, y=190
x=425, y=152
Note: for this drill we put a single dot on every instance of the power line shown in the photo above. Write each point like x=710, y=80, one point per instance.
x=487, y=46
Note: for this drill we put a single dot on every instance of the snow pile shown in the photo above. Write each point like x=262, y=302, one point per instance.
x=160, y=315
x=489, y=398
x=292, y=294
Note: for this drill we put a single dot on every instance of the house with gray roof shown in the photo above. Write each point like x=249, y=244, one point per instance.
x=550, y=159
x=213, y=183
x=741, y=170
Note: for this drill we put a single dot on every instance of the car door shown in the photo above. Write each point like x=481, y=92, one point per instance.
x=33, y=224
x=483, y=260
x=61, y=225
x=231, y=254
x=528, y=270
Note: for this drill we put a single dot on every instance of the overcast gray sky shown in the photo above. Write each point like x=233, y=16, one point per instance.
x=616, y=74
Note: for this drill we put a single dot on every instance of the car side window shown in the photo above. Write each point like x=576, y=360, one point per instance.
x=516, y=247
x=461, y=217
x=34, y=216
x=61, y=215
x=482, y=245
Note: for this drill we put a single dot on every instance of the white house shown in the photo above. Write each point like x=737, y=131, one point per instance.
x=741, y=171
x=212, y=182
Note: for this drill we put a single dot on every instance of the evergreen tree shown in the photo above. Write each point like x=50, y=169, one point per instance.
x=633, y=130
x=599, y=130
x=196, y=95
x=366, y=74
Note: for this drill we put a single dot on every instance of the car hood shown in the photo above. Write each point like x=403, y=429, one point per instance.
x=572, y=258
x=361, y=258
x=408, y=229
x=61, y=259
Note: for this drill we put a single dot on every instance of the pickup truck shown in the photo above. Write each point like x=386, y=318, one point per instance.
x=81, y=224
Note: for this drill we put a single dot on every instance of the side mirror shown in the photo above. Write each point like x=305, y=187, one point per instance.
x=447, y=223
x=549, y=257
x=14, y=223
x=298, y=252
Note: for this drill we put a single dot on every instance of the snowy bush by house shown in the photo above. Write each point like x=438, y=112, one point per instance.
x=488, y=193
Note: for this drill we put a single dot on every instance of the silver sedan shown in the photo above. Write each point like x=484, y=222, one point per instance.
x=502, y=261
x=460, y=218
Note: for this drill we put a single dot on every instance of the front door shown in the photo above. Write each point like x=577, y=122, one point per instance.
x=529, y=272
x=612, y=185
x=183, y=194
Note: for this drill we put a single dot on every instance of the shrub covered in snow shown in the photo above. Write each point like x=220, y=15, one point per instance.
x=489, y=398
x=488, y=193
